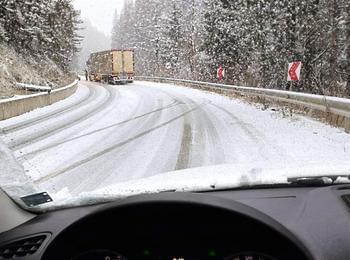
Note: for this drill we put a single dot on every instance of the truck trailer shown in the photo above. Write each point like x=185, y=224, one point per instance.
x=112, y=66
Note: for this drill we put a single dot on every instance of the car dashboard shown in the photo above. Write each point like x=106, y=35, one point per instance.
x=247, y=224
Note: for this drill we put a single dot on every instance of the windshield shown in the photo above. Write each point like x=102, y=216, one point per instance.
x=105, y=99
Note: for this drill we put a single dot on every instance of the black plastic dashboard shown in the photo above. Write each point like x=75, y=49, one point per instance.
x=269, y=223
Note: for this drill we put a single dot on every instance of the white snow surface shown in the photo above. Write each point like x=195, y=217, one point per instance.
x=13, y=179
x=145, y=137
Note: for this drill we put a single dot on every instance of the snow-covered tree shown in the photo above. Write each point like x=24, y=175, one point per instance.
x=253, y=40
x=64, y=22
x=41, y=28
x=171, y=40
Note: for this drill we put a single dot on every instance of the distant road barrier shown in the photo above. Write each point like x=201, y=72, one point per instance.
x=19, y=105
x=333, y=110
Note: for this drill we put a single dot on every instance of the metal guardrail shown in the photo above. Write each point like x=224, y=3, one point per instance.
x=337, y=109
x=33, y=87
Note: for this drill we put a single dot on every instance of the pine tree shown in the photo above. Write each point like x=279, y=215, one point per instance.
x=171, y=41
x=42, y=29
x=64, y=22
x=253, y=40
x=347, y=49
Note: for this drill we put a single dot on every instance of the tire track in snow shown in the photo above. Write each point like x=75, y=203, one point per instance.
x=90, y=173
x=115, y=146
x=90, y=176
x=185, y=150
x=118, y=159
x=53, y=145
x=214, y=152
x=193, y=145
x=57, y=112
x=77, y=181
x=200, y=146
x=186, y=147
x=253, y=134
x=40, y=135
x=184, y=156
x=240, y=123
x=72, y=132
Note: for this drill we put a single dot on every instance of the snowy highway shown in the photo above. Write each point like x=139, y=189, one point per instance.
x=107, y=134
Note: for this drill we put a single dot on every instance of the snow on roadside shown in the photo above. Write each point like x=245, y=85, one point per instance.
x=296, y=139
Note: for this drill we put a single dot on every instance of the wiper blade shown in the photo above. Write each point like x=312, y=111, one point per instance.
x=319, y=180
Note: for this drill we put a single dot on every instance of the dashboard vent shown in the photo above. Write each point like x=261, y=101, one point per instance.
x=21, y=248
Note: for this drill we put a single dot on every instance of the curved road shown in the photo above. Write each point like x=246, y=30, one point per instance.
x=107, y=134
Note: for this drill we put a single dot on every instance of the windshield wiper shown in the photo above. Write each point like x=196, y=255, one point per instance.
x=305, y=181
x=319, y=180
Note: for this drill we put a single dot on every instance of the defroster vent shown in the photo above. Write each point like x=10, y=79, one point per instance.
x=22, y=247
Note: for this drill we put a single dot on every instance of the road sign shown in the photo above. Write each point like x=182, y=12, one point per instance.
x=220, y=73
x=294, y=71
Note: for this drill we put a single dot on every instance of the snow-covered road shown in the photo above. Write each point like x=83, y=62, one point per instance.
x=108, y=134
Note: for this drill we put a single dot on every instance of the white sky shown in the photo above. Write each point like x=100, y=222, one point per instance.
x=99, y=12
